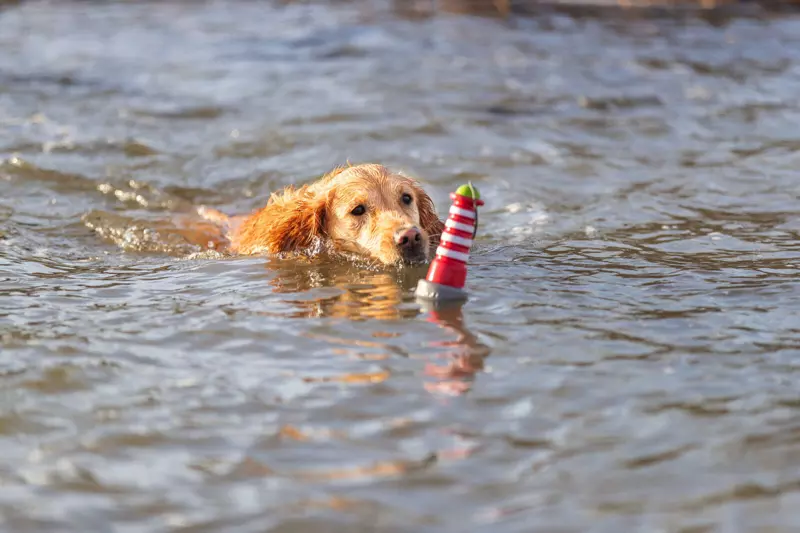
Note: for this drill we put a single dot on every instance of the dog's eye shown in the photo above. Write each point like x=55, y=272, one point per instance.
x=358, y=210
x=407, y=199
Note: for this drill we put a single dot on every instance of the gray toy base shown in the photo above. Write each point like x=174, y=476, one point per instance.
x=434, y=291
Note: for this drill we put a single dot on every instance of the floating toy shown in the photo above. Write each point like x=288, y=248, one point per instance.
x=448, y=271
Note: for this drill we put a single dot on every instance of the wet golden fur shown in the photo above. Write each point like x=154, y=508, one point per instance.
x=297, y=219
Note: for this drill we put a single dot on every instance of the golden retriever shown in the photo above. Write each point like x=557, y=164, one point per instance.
x=364, y=209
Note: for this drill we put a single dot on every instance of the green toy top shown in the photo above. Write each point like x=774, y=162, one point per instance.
x=469, y=191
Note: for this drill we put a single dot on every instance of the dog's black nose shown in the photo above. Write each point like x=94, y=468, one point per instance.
x=409, y=241
x=407, y=237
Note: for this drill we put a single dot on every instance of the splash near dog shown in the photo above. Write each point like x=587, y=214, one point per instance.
x=448, y=271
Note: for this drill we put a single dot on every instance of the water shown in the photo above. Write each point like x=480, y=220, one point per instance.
x=628, y=360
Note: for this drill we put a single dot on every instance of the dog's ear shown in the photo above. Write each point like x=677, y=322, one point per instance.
x=290, y=222
x=427, y=215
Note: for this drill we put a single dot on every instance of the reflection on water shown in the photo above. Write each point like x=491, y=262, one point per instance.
x=358, y=295
x=461, y=358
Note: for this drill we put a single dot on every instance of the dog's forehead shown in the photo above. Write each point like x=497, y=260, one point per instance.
x=351, y=185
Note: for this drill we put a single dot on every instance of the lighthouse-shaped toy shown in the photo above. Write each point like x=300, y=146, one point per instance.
x=448, y=271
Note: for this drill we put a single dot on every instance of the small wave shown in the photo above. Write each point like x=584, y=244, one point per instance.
x=144, y=195
x=205, y=255
x=518, y=223
x=138, y=235
x=20, y=169
x=129, y=147
x=179, y=112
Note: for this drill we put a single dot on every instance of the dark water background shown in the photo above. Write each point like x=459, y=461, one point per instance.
x=629, y=358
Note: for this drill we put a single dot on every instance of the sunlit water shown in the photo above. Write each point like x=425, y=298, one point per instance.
x=629, y=357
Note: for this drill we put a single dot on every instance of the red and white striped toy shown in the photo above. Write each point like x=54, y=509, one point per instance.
x=448, y=271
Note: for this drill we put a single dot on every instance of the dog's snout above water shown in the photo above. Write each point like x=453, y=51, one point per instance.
x=410, y=243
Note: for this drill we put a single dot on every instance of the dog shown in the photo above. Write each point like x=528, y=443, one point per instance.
x=366, y=210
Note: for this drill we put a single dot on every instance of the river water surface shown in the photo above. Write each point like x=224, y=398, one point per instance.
x=629, y=357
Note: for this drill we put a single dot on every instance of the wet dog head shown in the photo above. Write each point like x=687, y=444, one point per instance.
x=363, y=209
